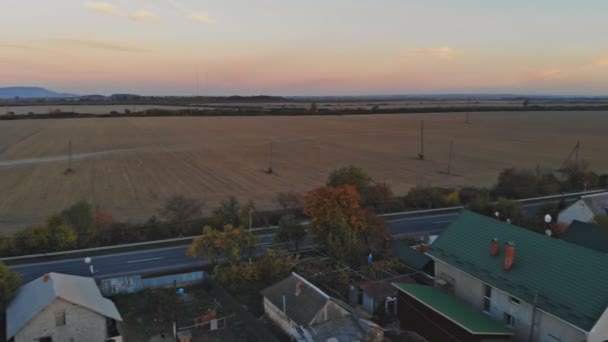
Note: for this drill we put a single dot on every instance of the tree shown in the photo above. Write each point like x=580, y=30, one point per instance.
x=423, y=197
x=525, y=103
x=9, y=283
x=516, y=183
x=103, y=218
x=469, y=194
x=290, y=230
x=229, y=212
x=601, y=220
x=179, y=208
x=54, y=236
x=233, y=244
x=313, y=107
x=80, y=217
x=350, y=175
x=290, y=202
x=378, y=196
x=339, y=223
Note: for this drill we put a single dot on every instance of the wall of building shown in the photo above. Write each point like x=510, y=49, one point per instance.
x=277, y=316
x=82, y=325
x=599, y=333
x=577, y=211
x=470, y=290
x=134, y=284
x=331, y=311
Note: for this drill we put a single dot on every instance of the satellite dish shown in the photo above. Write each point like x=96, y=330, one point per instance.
x=548, y=218
x=496, y=214
x=548, y=232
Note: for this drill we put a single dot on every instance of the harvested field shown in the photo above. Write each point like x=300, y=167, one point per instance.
x=130, y=165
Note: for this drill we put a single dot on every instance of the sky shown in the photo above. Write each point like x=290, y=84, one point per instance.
x=305, y=47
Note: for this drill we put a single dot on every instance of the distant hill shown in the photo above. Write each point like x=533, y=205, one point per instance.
x=30, y=93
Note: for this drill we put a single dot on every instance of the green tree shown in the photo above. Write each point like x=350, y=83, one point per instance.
x=232, y=244
x=54, y=236
x=229, y=212
x=290, y=230
x=516, y=183
x=9, y=283
x=422, y=197
x=179, y=208
x=290, y=202
x=379, y=197
x=81, y=218
x=350, y=175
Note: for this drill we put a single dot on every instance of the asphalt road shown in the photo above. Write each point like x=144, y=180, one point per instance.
x=175, y=258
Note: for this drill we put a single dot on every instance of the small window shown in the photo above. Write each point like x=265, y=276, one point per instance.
x=487, y=298
x=514, y=300
x=59, y=318
x=509, y=320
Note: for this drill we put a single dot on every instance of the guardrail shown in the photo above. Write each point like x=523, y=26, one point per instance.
x=258, y=230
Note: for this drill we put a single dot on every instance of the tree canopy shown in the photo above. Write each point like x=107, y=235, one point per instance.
x=350, y=175
x=9, y=283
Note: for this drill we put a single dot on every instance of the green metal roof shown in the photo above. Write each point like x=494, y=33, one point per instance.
x=409, y=255
x=587, y=235
x=570, y=280
x=473, y=321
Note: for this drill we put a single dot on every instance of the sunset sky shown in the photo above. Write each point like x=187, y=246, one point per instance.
x=305, y=47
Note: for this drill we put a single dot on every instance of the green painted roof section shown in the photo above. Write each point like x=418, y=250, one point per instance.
x=587, y=235
x=409, y=255
x=570, y=279
x=473, y=321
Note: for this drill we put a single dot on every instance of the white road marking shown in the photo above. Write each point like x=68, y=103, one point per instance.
x=142, y=260
x=440, y=222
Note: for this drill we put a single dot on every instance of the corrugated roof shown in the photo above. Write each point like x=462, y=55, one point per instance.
x=34, y=296
x=301, y=308
x=408, y=255
x=570, y=279
x=587, y=235
x=463, y=315
x=598, y=203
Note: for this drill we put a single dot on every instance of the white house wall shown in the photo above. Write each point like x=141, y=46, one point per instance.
x=599, y=333
x=470, y=290
x=576, y=211
x=278, y=317
x=82, y=325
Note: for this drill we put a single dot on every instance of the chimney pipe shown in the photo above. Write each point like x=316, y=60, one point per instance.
x=46, y=277
x=494, y=247
x=509, y=255
x=284, y=306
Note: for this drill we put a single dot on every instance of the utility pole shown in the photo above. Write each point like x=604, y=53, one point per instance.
x=450, y=159
x=270, y=159
x=70, y=155
x=578, y=146
x=421, y=154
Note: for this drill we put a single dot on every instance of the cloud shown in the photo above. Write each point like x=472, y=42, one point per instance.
x=109, y=9
x=600, y=61
x=442, y=52
x=144, y=16
x=200, y=17
x=105, y=8
x=99, y=44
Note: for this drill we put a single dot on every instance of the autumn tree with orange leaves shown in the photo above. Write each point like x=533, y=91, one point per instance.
x=340, y=224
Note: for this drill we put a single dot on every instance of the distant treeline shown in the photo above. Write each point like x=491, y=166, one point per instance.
x=295, y=111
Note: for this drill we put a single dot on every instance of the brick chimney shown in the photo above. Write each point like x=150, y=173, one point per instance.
x=46, y=277
x=494, y=247
x=509, y=255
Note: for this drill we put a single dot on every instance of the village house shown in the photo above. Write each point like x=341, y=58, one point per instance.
x=585, y=209
x=542, y=288
x=60, y=308
x=587, y=235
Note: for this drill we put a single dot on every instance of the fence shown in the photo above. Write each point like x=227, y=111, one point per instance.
x=134, y=284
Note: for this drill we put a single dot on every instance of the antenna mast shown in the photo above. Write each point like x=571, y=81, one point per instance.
x=421, y=154
x=450, y=159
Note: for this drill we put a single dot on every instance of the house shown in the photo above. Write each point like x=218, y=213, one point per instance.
x=59, y=307
x=306, y=313
x=415, y=259
x=377, y=296
x=438, y=316
x=543, y=288
x=587, y=235
x=585, y=208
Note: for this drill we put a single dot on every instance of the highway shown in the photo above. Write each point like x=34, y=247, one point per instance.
x=174, y=258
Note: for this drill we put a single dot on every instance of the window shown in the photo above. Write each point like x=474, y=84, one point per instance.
x=514, y=300
x=509, y=320
x=487, y=297
x=45, y=339
x=59, y=318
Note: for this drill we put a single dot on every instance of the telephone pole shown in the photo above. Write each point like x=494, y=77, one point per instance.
x=421, y=154
x=270, y=160
x=450, y=159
